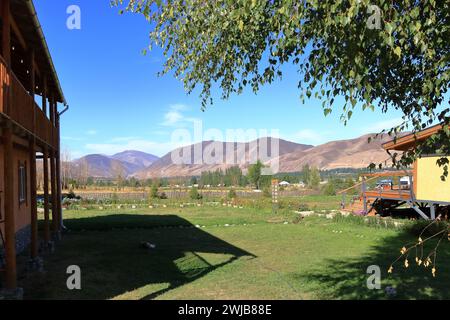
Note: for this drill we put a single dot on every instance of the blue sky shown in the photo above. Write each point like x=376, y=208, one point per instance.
x=118, y=103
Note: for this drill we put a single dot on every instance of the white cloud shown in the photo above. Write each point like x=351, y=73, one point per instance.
x=171, y=118
x=156, y=148
x=175, y=117
x=307, y=136
x=124, y=139
x=67, y=138
x=91, y=132
x=381, y=125
x=178, y=107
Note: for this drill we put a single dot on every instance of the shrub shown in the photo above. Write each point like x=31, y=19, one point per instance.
x=163, y=195
x=194, y=195
x=303, y=207
x=154, y=192
x=232, y=194
x=267, y=192
x=329, y=189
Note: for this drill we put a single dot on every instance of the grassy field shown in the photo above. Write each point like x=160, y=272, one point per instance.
x=228, y=253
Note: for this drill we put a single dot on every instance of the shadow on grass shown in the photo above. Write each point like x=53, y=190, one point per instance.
x=347, y=279
x=113, y=262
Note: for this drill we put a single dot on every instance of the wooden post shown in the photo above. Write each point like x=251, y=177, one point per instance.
x=364, y=189
x=32, y=151
x=44, y=95
x=58, y=172
x=10, y=224
x=46, y=195
x=33, y=204
x=54, y=193
x=6, y=33
x=51, y=111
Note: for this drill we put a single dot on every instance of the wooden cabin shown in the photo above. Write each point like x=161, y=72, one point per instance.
x=420, y=188
x=30, y=95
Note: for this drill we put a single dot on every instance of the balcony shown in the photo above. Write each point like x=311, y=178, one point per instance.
x=24, y=111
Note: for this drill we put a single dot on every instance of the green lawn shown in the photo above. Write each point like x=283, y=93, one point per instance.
x=257, y=256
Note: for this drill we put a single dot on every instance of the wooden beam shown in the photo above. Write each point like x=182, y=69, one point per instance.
x=389, y=174
x=415, y=177
x=58, y=173
x=52, y=110
x=32, y=151
x=46, y=197
x=409, y=141
x=6, y=32
x=54, y=193
x=15, y=28
x=10, y=224
x=44, y=95
x=33, y=202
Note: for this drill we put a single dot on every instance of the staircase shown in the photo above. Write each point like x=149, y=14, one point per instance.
x=356, y=206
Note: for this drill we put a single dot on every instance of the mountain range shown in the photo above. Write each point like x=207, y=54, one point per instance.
x=124, y=163
x=354, y=153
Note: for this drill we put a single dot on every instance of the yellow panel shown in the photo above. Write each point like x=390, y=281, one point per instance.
x=429, y=183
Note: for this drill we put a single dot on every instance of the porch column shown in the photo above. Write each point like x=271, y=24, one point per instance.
x=44, y=95
x=364, y=189
x=46, y=197
x=53, y=174
x=54, y=194
x=10, y=225
x=32, y=151
x=6, y=34
x=33, y=204
x=58, y=171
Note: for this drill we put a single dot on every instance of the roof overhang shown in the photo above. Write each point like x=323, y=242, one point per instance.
x=25, y=16
x=410, y=141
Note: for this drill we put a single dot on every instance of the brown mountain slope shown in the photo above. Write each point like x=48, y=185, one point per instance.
x=355, y=153
x=208, y=156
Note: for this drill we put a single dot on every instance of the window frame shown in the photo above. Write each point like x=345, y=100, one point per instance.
x=23, y=183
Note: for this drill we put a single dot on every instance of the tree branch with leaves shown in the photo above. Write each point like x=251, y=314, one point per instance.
x=400, y=64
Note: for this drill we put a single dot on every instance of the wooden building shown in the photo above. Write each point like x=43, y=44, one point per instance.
x=29, y=130
x=420, y=188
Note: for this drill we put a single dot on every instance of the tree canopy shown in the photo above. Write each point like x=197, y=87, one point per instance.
x=384, y=54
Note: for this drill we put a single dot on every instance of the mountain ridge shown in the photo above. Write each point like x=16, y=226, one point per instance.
x=356, y=153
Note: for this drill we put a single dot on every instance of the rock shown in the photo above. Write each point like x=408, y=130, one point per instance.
x=344, y=213
x=148, y=245
x=306, y=213
x=391, y=291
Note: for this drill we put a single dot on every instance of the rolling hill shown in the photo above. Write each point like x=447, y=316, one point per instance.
x=123, y=163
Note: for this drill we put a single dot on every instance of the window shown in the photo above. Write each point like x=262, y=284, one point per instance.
x=22, y=183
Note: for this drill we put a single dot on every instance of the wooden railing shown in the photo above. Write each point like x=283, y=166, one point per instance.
x=24, y=110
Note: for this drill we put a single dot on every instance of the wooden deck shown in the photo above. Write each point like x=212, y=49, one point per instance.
x=396, y=194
